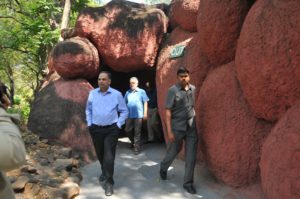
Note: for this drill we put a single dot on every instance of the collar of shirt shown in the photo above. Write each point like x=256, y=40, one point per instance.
x=135, y=90
x=180, y=88
x=109, y=90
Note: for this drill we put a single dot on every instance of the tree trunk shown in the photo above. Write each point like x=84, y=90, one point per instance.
x=9, y=73
x=65, y=17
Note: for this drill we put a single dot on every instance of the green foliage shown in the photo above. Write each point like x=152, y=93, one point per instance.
x=21, y=107
x=28, y=32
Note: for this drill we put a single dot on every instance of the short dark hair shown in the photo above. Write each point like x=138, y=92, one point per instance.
x=182, y=69
x=106, y=72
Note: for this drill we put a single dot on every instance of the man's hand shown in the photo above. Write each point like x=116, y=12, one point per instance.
x=145, y=117
x=171, y=137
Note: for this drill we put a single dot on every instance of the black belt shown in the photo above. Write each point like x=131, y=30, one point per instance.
x=105, y=126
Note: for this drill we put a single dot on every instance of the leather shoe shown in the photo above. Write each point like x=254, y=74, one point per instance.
x=102, y=178
x=109, y=189
x=190, y=189
x=136, y=151
x=163, y=174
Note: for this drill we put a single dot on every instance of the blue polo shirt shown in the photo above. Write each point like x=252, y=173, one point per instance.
x=135, y=102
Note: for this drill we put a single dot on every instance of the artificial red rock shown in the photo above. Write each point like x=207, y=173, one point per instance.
x=196, y=62
x=232, y=137
x=184, y=14
x=267, y=58
x=51, y=77
x=58, y=113
x=219, y=24
x=167, y=67
x=75, y=58
x=50, y=67
x=280, y=160
x=127, y=35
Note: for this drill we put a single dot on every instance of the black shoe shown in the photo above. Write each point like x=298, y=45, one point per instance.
x=136, y=151
x=102, y=178
x=190, y=189
x=163, y=174
x=109, y=189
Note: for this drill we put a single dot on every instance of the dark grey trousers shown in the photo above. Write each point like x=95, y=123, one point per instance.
x=191, y=139
x=133, y=129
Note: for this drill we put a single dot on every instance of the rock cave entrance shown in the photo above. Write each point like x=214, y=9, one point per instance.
x=120, y=80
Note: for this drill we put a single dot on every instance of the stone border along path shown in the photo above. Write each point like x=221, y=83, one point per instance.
x=136, y=177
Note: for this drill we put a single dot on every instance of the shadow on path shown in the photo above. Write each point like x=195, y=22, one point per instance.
x=137, y=177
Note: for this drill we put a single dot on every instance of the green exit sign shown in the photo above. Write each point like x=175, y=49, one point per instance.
x=177, y=51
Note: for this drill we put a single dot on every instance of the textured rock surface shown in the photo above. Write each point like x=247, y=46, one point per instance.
x=231, y=135
x=127, y=35
x=280, y=161
x=58, y=113
x=219, y=24
x=167, y=67
x=184, y=14
x=267, y=58
x=75, y=58
x=40, y=177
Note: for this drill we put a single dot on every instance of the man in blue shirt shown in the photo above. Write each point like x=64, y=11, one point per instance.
x=136, y=100
x=106, y=112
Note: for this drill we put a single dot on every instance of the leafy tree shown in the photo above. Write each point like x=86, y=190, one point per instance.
x=28, y=32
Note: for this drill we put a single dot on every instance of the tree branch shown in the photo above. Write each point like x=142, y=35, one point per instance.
x=11, y=17
x=17, y=2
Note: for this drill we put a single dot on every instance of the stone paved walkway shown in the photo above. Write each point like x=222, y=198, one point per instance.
x=136, y=177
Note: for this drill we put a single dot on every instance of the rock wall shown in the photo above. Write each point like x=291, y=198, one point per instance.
x=267, y=58
x=232, y=136
x=219, y=24
x=75, y=58
x=240, y=102
x=58, y=113
x=242, y=57
x=280, y=171
x=127, y=35
x=183, y=13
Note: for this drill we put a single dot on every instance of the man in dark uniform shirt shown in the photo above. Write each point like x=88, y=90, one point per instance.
x=180, y=124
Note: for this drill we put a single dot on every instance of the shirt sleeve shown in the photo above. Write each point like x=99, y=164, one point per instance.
x=12, y=148
x=125, y=97
x=145, y=98
x=170, y=99
x=122, y=109
x=88, y=109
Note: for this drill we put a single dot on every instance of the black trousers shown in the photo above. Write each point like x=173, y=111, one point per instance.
x=105, y=141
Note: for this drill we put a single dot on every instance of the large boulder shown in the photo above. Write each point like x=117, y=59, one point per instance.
x=167, y=67
x=75, y=58
x=232, y=137
x=219, y=24
x=267, y=58
x=184, y=14
x=127, y=35
x=280, y=160
x=58, y=113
